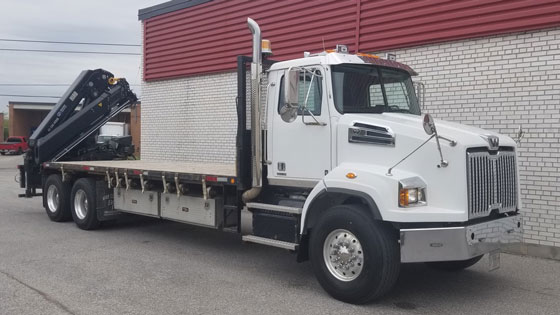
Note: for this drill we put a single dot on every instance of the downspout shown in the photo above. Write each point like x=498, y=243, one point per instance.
x=256, y=132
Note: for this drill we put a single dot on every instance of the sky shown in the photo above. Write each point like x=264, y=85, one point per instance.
x=100, y=21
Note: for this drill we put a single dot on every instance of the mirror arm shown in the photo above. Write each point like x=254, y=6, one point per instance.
x=451, y=142
x=406, y=157
x=443, y=163
x=316, y=123
x=304, y=108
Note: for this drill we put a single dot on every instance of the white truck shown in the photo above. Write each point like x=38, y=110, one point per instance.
x=112, y=129
x=346, y=173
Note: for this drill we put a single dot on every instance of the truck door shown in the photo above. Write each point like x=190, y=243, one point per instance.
x=300, y=151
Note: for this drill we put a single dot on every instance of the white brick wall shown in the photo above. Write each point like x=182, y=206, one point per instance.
x=499, y=83
x=190, y=119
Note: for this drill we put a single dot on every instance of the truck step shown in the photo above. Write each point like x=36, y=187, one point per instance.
x=269, y=242
x=276, y=208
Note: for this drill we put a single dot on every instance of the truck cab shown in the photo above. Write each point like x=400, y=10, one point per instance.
x=350, y=128
x=359, y=114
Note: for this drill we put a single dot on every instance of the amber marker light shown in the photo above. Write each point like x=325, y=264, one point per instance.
x=403, y=197
x=351, y=175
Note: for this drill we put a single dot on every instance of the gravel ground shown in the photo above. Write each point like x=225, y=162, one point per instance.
x=143, y=265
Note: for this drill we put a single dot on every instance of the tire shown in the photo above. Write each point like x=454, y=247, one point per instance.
x=373, y=245
x=83, y=204
x=3, y=153
x=56, y=199
x=455, y=265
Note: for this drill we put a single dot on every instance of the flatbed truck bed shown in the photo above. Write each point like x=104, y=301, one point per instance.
x=184, y=171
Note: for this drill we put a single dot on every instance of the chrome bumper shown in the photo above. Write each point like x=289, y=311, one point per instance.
x=459, y=243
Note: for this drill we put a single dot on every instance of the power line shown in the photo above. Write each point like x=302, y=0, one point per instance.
x=42, y=84
x=71, y=51
x=38, y=84
x=37, y=96
x=17, y=95
x=64, y=42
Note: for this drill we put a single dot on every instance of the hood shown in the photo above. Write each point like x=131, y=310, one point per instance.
x=394, y=141
x=412, y=126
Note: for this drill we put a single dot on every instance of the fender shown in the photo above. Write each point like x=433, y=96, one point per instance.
x=370, y=185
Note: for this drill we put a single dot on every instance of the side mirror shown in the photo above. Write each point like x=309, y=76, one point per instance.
x=429, y=125
x=288, y=111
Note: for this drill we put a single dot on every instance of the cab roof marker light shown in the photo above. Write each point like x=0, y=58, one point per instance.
x=367, y=55
x=266, y=48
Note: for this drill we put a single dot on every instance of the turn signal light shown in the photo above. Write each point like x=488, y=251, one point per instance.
x=403, y=197
x=411, y=196
x=351, y=175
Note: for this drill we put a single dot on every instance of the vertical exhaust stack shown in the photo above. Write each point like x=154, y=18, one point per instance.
x=256, y=132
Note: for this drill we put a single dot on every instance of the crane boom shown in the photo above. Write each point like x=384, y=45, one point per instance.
x=93, y=98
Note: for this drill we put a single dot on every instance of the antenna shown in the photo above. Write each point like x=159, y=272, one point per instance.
x=324, y=49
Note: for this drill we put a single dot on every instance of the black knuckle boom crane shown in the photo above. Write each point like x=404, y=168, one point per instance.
x=68, y=131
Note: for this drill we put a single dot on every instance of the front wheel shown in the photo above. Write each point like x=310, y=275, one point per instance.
x=355, y=258
x=83, y=204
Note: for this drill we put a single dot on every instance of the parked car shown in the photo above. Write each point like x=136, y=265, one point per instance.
x=16, y=144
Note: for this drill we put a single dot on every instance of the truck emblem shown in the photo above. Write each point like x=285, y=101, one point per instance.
x=493, y=141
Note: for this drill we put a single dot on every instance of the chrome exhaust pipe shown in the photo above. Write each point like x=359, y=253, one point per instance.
x=256, y=132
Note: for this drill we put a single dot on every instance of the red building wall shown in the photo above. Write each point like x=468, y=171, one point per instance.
x=208, y=37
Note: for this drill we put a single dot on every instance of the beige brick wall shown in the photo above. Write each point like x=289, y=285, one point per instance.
x=499, y=83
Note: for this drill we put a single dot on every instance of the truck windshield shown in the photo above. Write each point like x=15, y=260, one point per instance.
x=13, y=140
x=373, y=89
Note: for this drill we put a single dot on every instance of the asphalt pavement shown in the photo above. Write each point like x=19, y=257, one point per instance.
x=148, y=266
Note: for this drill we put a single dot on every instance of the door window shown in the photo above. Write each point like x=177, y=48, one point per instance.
x=307, y=86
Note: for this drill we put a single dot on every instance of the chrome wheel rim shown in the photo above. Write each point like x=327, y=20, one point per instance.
x=53, y=198
x=343, y=255
x=81, y=204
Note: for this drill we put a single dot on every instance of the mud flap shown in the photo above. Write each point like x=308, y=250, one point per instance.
x=494, y=260
x=105, y=203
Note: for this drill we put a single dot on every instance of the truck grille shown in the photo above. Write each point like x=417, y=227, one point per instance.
x=491, y=181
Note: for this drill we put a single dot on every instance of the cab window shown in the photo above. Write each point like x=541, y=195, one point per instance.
x=306, y=84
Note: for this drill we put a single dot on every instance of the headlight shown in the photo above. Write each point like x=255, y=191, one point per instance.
x=412, y=192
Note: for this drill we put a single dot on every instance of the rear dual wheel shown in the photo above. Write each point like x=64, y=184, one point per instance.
x=56, y=199
x=64, y=202
x=83, y=204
